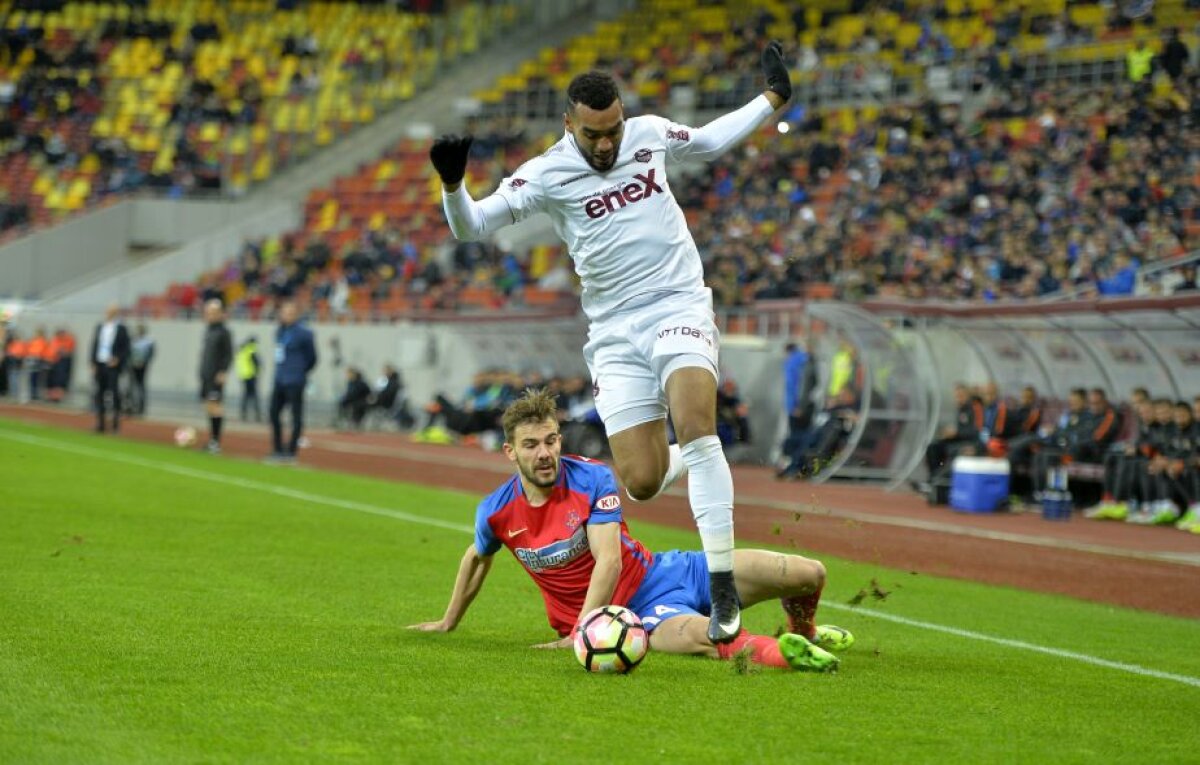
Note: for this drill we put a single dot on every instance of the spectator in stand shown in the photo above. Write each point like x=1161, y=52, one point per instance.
x=1175, y=56
x=352, y=406
x=110, y=353
x=1120, y=278
x=1172, y=475
x=965, y=432
x=295, y=358
x=1139, y=62
x=1123, y=469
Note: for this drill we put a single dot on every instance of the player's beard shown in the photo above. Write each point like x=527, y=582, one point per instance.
x=593, y=162
x=604, y=166
x=532, y=474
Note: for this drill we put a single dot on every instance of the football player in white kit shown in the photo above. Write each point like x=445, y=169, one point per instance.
x=652, y=340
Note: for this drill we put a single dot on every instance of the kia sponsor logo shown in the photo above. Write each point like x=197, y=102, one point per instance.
x=598, y=207
x=643, y=155
x=610, y=502
x=677, y=135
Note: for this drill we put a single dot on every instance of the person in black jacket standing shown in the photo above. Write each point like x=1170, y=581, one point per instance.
x=215, y=359
x=110, y=354
x=295, y=357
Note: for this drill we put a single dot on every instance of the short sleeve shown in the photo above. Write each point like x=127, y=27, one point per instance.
x=486, y=542
x=605, y=497
x=523, y=192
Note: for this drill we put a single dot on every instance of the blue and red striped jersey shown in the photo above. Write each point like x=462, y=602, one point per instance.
x=550, y=541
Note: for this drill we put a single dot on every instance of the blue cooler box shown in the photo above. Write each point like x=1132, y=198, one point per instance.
x=978, y=484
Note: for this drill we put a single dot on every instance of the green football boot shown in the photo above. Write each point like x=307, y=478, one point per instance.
x=803, y=656
x=833, y=638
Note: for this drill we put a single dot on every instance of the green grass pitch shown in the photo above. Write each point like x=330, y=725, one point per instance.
x=160, y=605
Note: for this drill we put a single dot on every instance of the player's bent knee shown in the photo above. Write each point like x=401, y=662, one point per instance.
x=642, y=486
x=810, y=574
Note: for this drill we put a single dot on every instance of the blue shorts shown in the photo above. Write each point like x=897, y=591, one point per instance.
x=675, y=585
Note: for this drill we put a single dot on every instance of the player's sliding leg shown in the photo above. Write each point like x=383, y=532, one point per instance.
x=798, y=583
x=689, y=635
x=692, y=396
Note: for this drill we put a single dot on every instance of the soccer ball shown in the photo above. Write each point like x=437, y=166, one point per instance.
x=185, y=436
x=611, y=639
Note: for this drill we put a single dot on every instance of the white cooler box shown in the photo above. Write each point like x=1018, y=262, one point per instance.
x=978, y=484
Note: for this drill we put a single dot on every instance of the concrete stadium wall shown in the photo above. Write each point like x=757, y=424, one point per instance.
x=36, y=263
x=99, y=245
x=431, y=358
x=201, y=253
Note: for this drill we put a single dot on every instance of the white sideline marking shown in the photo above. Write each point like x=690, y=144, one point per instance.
x=361, y=507
x=1082, y=657
x=244, y=483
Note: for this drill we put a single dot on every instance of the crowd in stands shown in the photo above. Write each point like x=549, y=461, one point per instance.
x=1145, y=456
x=1047, y=191
x=103, y=98
x=1055, y=190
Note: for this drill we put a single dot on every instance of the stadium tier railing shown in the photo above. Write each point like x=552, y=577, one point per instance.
x=860, y=80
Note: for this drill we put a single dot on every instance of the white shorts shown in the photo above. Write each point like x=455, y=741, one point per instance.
x=633, y=352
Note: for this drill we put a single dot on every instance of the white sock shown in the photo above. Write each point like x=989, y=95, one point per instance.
x=710, y=491
x=675, y=468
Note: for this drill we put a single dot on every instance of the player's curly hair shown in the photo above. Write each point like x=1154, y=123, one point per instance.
x=536, y=405
x=594, y=89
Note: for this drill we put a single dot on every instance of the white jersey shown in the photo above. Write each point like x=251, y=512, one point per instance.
x=623, y=228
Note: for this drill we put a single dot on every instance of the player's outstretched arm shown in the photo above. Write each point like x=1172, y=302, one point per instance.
x=604, y=540
x=714, y=138
x=472, y=570
x=468, y=219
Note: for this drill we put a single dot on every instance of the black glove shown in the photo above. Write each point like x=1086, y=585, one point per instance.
x=449, y=157
x=778, y=81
